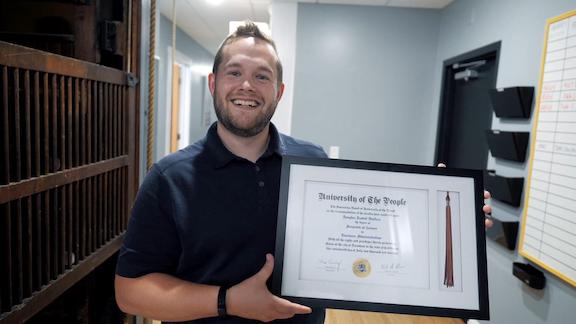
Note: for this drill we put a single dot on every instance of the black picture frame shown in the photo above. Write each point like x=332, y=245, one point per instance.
x=284, y=238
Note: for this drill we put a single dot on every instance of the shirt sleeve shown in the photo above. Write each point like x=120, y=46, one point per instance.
x=151, y=243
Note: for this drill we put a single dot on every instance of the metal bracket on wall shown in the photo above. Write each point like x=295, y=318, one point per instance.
x=132, y=80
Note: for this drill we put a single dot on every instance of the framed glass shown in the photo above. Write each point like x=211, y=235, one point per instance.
x=381, y=237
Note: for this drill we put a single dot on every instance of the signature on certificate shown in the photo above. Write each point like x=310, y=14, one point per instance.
x=329, y=265
x=393, y=267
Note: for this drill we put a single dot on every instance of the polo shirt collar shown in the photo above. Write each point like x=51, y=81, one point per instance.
x=221, y=156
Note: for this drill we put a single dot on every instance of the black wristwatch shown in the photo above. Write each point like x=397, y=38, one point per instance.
x=222, y=302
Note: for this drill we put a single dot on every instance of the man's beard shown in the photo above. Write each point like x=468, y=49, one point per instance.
x=261, y=121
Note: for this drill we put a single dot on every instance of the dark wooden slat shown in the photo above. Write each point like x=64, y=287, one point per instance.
x=17, y=267
x=70, y=215
x=31, y=186
x=112, y=217
x=55, y=232
x=83, y=220
x=37, y=140
x=125, y=198
x=26, y=134
x=96, y=120
x=89, y=111
x=23, y=57
x=100, y=141
x=62, y=125
x=46, y=238
x=76, y=109
x=122, y=199
x=113, y=211
x=6, y=261
x=115, y=121
x=117, y=208
x=122, y=194
x=83, y=128
x=69, y=127
x=27, y=240
x=49, y=293
x=54, y=139
x=106, y=205
x=63, y=211
x=111, y=138
x=94, y=214
x=122, y=207
x=5, y=178
x=47, y=126
x=76, y=222
x=90, y=222
x=37, y=237
x=98, y=211
x=102, y=209
x=17, y=176
x=106, y=106
x=123, y=108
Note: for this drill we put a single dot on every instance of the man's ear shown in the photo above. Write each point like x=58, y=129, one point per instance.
x=212, y=83
x=280, y=91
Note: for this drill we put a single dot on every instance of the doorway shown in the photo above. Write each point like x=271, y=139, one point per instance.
x=465, y=108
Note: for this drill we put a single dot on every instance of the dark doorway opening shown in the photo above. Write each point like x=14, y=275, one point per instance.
x=465, y=109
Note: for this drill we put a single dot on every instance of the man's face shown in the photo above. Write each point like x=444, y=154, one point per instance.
x=245, y=87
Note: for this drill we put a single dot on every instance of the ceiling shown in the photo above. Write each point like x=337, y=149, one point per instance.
x=208, y=24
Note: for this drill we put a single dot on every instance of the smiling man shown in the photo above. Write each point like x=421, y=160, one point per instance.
x=202, y=231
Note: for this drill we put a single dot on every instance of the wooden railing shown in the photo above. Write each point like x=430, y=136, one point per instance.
x=67, y=173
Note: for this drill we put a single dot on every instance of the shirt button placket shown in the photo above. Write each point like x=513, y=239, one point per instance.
x=261, y=184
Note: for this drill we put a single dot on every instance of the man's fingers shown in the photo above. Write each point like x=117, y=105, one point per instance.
x=287, y=307
x=441, y=165
x=487, y=209
x=487, y=194
x=267, y=268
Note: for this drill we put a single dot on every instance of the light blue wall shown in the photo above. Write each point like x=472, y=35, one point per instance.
x=368, y=79
x=519, y=24
x=363, y=80
x=197, y=55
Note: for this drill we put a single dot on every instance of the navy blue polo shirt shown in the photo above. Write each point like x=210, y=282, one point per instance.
x=208, y=216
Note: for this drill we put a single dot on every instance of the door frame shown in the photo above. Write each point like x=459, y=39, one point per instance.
x=446, y=111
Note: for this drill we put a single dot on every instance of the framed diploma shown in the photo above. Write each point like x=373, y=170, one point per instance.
x=381, y=237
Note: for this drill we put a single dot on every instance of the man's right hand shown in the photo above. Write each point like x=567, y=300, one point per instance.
x=251, y=298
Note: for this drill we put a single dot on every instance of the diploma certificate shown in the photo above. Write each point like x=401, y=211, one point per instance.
x=381, y=237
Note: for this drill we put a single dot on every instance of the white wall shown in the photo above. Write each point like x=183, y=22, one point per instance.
x=283, y=22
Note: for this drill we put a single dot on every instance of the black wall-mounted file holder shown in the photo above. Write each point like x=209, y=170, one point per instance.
x=508, y=145
x=508, y=190
x=513, y=102
x=529, y=275
x=504, y=233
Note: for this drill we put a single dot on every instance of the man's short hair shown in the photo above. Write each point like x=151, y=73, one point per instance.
x=246, y=30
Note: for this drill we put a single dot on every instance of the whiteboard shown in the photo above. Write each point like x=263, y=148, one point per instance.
x=548, y=233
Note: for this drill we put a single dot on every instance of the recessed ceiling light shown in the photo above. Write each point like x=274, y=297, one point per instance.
x=214, y=2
